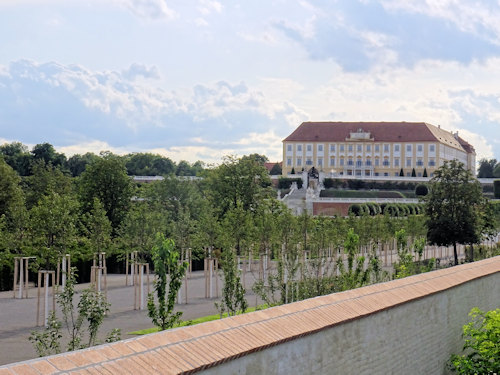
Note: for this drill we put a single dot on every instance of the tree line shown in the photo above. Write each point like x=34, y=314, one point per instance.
x=22, y=160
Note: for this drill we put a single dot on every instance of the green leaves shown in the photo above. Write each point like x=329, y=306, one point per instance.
x=482, y=345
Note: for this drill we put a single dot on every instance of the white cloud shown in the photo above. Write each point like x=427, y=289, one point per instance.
x=207, y=7
x=140, y=70
x=477, y=17
x=153, y=9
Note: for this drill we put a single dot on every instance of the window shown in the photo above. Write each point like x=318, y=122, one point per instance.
x=349, y=148
x=299, y=162
x=408, y=148
x=360, y=148
x=289, y=162
x=396, y=162
x=420, y=163
x=376, y=173
x=396, y=148
x=377, y=148
x=386, y=148
x=408, y=162
x=309, y=161
x=341, y=148
x=332, y=162
x=396, y=174
x=341, y=161
x=368, y=162
x=359, y=163
x=376, y=162
x=320, y=148
x=419, y=148
x=320, y=162
x=368, y=148
x=358, y=173
x=332, y=148
x=408, y=174
x=432, y=148
x=289, y=148
x=299, y=148
x=432, y=163
x=419, y=174
x=386, y=162
x=349, y=162
x=309, y=148
x=386, y=174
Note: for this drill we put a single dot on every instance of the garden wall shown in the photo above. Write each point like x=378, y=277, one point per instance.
x=407, y=326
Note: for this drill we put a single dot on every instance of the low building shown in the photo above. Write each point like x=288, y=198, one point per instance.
x=373, y=149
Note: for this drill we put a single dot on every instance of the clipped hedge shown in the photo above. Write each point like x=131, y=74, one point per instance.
x=286, y=182
x=496, y=189
x=421, y=190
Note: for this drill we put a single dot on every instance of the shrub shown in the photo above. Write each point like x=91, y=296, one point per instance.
x=421, y=190
x=286, y=182
x=413, y=173
x=355, y=209
x=482, y=344
x=496, y=188
x=328, y=183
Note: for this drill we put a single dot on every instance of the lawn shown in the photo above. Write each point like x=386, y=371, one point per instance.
x=193, y=322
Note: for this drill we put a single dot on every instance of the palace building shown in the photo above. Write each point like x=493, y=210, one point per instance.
x=367, y=149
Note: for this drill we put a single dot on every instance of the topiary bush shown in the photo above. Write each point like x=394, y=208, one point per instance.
x=355, y=209
x=421, y=190
x=286, y=182
x=496, y=189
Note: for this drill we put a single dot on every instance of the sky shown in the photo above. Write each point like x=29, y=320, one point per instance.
x=200, y=79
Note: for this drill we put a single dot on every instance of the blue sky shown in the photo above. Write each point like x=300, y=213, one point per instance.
x=199, y=79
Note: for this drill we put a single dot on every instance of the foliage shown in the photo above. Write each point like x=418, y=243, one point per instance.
x=106, y=179
x=421, y=190
x=78, y=163
x=233, y=293
x=167, y=265
x=237, y=180
x=17, y=156
x=486, y=168
x=47, y=342
x=454, y=207
x=286, y=182
x=276, y=170
x=482, y=345
x=91, y=308
x=496, y=188
x=355, y=275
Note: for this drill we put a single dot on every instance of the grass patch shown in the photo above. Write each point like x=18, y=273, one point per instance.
x=193, y=322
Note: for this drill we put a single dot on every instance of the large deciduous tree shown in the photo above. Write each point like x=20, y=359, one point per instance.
x=486, y=168
x=106, y=179
x=454, y=207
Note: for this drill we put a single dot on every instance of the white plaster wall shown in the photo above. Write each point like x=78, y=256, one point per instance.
x=415, y=338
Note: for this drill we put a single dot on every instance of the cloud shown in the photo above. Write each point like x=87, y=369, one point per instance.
x=139, y=70
x=76, y=109
x=207, y=7
x=152, y=9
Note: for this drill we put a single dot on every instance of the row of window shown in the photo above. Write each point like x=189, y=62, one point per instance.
x=360, y=163
x=386, y=174
x=359, y=148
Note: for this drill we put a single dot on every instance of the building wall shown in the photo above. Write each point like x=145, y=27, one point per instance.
x=405, y=155
x=414, y=338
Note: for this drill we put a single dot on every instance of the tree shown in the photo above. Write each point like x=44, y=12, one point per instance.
x=166, y=263
x=454, y=207
x=106, y=179
x=260, y=159
x=237, y=181
x=425, y=173
x=496, y=189
x=486, y=168
x=413, y=173
x=421, y=190
x=275, y=170
x=17, y=156
x=47, y=153
x=482, y=345
x=401, y=173
x=496, y=171
x=77, y=163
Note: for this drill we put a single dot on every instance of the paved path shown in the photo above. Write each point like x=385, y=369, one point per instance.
x=18, y=316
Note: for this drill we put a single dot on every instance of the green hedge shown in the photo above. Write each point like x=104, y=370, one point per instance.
x=496, y=188
x=286, y=182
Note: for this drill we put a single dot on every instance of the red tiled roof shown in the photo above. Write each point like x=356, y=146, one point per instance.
x=195, y=348
x=270, y=165
x=379, y=131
